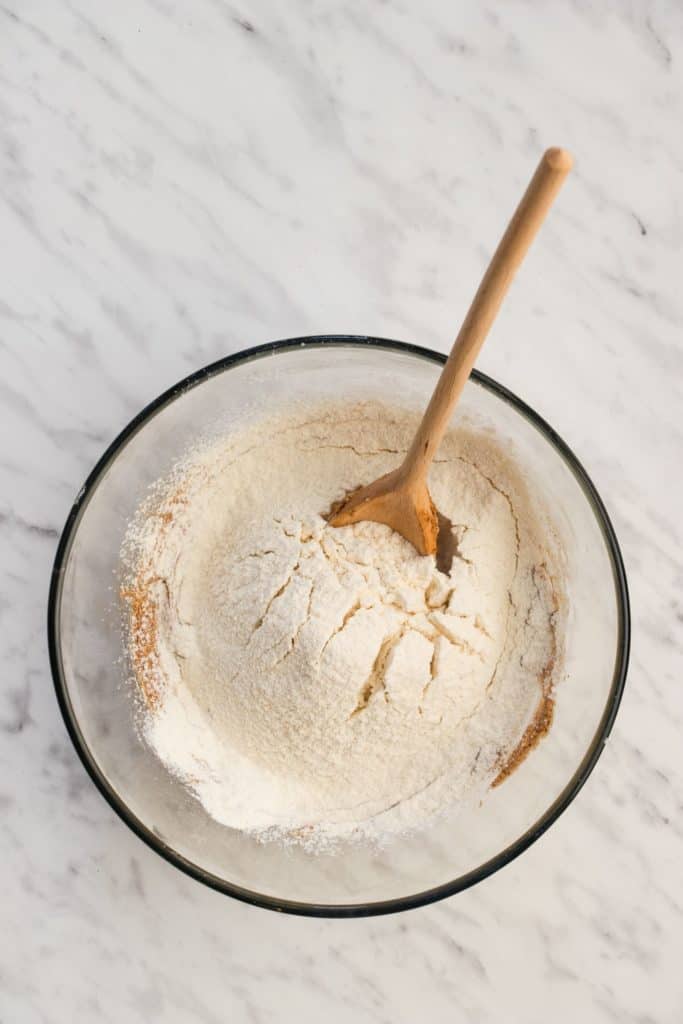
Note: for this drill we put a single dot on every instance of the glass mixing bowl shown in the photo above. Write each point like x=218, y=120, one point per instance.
x=92, y=679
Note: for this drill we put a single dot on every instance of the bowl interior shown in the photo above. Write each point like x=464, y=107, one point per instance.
x=92, y=675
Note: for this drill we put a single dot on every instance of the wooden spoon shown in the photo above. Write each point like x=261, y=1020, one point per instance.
x=401, y=499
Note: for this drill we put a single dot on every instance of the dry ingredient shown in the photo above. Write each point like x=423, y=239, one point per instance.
x=311, y=683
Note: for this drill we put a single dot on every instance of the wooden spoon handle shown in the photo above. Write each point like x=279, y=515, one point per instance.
x=527, y=219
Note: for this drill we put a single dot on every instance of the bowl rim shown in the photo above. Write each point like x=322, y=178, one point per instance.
x=118, y=804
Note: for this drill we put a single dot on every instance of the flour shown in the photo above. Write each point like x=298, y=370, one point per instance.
x=311, y=683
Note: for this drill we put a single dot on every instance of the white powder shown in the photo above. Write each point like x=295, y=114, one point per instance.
x=313, y=683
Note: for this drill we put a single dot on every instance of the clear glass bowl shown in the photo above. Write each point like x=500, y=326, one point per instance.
x=91, y=676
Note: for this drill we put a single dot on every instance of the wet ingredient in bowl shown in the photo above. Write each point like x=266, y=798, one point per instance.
x=312, y=683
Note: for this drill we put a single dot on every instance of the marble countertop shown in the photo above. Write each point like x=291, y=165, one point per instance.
x=180, y=181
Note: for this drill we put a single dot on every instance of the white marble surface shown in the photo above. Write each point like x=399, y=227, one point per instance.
x=180, y=180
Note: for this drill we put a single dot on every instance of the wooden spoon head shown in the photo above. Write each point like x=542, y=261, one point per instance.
x=406, y=507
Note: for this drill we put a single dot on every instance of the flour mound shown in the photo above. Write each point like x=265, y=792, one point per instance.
x=313, y=682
